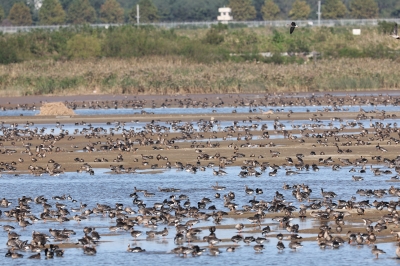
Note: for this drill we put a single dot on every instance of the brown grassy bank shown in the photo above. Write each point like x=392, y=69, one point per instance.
x=174, y=75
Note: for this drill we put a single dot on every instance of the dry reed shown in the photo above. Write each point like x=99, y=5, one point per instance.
x=174, y=75
x=55, y=108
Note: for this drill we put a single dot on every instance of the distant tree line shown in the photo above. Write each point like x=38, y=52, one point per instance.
x=55, y=12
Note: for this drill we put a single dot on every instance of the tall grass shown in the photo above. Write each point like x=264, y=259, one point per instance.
x=176, y=75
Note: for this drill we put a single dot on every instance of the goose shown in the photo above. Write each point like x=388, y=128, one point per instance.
x=236, y=239
x=230, y=249
x=248, y=190
x=295, y=245
x=398, y=251
x=280, y=246
x=197, y=251
x=258, y=248
x=217, y=187
x=239, y=227
x=35, y=256
x=376, y=251
x=394, y=33
x=214, y=251
x=135, y=249
x=89, y=250
x=260, y=240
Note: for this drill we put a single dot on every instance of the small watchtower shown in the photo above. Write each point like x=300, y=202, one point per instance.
x=225, y=15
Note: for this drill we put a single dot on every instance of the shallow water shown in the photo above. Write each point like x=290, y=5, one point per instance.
x=109, y=189
x=208, y=110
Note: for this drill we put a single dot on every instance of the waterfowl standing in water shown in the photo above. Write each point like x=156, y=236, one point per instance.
x=376, y=251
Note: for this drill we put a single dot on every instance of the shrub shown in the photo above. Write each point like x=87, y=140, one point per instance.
x=83, y=47
x=8, y=53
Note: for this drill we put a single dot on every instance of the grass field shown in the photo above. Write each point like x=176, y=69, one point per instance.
x=130, y=60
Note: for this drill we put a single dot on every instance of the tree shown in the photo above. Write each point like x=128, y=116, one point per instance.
x=300, y=10
x=51, y=13
x=111, y=12
x=1, y=14
x=242, y=10
x=333, y=9
x=270, y=10
x=65, y=3
x=148, y=12
x=80, y=12
x=363, y=9
x=20, y=15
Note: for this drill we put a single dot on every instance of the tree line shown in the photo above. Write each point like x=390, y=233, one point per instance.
x=56, y=12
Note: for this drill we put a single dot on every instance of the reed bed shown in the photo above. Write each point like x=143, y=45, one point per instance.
x=174, y=75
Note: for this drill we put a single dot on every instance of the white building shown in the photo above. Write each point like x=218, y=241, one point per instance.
x=225, y=14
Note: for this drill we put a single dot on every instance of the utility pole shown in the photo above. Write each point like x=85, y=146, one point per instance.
x=137, y=14
x=319, y=13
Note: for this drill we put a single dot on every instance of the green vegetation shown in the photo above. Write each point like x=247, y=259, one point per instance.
x=270, y=10
x=242, y=10
x=111, y=12
x=333, y=9
x=300, y=10
x=131, y=59
x=124, y=11
x=201, y=45
x=364, y=9
x=148, y=12
x=1, y=14
x=80, y=12
x=51, y=13
x=20, y=15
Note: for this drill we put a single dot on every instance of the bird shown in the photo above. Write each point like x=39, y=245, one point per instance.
x=376, y=251
x=394, y=33
x=89, y=250
x=292, y=26
x=135, y=249
x=258, y=248
x=280, y=246
x=295, y=245
x=239, y=227
x=35, y=256
x=398, y=251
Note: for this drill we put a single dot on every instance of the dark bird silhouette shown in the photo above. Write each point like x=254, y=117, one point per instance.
x=292, y=26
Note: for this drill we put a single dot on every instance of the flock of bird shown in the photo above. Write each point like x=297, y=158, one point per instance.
x=180, y=217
